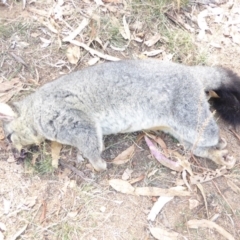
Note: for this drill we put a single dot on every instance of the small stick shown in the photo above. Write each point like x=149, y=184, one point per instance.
x=223, y=197
x=236, y=135
x=76, y=171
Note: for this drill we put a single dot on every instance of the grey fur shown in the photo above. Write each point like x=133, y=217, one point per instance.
x=125, y=96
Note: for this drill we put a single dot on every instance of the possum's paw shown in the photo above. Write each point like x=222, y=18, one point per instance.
x=230, y=162
x=99, y=165
x=221, y=144
x=221, y=157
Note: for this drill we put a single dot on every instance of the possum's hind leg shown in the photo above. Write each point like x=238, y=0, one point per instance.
x=199, y=132
x=75, y=128
x=219, y=156
x=211, y=146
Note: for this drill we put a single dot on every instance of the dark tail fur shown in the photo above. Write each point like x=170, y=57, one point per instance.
x=228, y=103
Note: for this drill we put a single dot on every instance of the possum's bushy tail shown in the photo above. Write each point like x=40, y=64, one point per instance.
x=228, y=103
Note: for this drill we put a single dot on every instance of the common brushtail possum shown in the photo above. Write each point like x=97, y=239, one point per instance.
x=126, y=96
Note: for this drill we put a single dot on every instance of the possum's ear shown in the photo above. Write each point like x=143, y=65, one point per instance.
x=211, y=94
x=6, y=112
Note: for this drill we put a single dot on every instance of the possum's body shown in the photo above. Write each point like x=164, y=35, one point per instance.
x=126, y=96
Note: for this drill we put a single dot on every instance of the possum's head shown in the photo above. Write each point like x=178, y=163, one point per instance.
x=17, y=127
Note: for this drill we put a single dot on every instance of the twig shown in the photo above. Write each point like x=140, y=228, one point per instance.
x=76, y=171
x=77, y=31
x=235, y=134
x=18, y=59
x=93, y=51
x=223, y=197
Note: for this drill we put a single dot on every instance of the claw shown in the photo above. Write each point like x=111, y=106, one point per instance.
x=221, y=144
x=230, y=162
x=100, y=165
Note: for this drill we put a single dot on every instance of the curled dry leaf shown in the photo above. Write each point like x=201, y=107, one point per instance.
x=233, y=186
x=60, y=2
x=215, y=45
x=8, y=90
x=6, y=112
x=5, y=97
x=122, y=186
x=44, y=211
x=209, y=224
x=117, y=48
x=112, y=8
x=215, y=217
x=157, y=207
x=93, y=61
x=154, y=191
x=72, y=214
x=153, y=53
x=93, y=51
x=193, y=203
x=153, y=40
x=137, y=25
x=127, y=174
x=127, y=34
x=161, y=158
x=50, y=25
x=55, y=152
x=200, y=187
x=183, y=161
x=235, y=35
x=138, y=179
x=17, y=58
x=103, y=209
x=138, y=39
x=161, y=143
x=125, y=156
x=202, y=21
x=77, y=31
x=57, y=11
x=11, y=158
x=40, y=12
x=45, y=41
x=2, y=226
x=113, y=1
x=99, y=2
x=184, y=178
x=162, y=234
x=34, y=158
x=73, y=184
x=7, y=206
x=9, y=85
x=167, y=57
x=125, y=187
x=73, y=54
x=30, y=201
x=152, y=173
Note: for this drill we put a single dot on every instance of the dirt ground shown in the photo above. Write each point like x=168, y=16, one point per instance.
x=38, y=201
